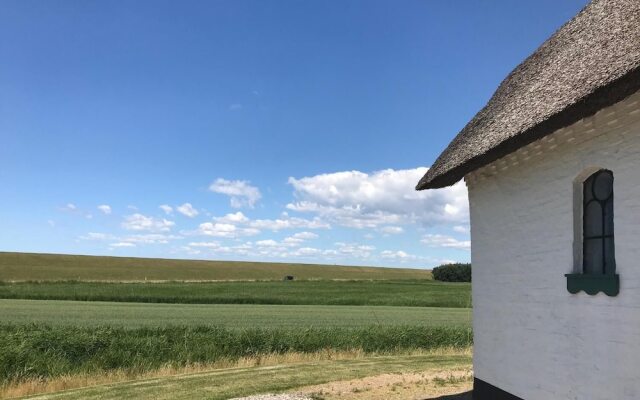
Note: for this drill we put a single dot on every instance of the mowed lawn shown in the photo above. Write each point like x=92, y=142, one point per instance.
x=234, y=382
x=425, y=293
x=39, y=267
x=53, y=312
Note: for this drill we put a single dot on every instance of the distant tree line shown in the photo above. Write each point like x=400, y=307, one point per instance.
x=457, y=272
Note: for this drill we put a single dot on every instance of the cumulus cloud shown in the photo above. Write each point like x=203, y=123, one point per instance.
x=233, y=218
x=224, y=230
x=105, y=209
x=397, y=255
x=391, y=230
x=146, y=238
x=69, y=207
x=212, y=245
x=354, y=250
x=168, y=210
x=98, y=236
x=446, y=242
x=267, y=243
x=305, y=235
x=241, y=193
x=150, y=238
x=187, y=210
x=139, y=222
x=288, y=222
x=122, y=244
x=360, y=200
x=237, y=224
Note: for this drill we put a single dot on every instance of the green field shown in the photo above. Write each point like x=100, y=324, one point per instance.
x=235, y=382
x=47, y=267
x=424, y=293
x=228, y=315
x=42, y=351
x=72, y=321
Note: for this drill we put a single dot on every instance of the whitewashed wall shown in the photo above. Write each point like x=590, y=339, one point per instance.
x=532, y=337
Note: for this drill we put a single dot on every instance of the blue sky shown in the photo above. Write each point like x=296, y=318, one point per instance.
x=247, y=130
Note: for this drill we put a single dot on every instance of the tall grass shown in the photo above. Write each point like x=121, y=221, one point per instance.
x=30, y=352
x=413, y=293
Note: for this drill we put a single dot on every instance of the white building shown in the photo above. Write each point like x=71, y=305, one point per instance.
x=556, y=305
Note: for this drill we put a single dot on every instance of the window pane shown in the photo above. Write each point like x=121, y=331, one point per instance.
x=593, y=219
x=610, y=255
x=603, y=185
x=593, y=256
x=608, y=218
x=587, y=192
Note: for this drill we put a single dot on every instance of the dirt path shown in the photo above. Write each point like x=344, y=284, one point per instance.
x=405, y=386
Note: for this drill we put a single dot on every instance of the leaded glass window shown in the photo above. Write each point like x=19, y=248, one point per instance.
x=598, y=238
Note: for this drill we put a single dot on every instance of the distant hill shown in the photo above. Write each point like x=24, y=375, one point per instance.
x=43, y=267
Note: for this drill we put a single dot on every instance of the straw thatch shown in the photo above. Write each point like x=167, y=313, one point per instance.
x=590, y=63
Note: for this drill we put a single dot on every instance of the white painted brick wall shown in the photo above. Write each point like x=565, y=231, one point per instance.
x=532, y=337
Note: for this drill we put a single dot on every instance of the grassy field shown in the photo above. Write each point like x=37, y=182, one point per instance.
x=44, y=352
x=72, y=321
x=233, y=316
x=234, y=382
x=43, y=267
x=424, y=293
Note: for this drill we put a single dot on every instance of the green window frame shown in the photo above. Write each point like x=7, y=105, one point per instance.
x=598, y=239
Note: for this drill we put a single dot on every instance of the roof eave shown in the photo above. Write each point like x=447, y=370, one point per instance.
x=605, y=96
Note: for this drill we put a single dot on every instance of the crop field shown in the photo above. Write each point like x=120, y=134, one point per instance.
x=140, y=328
x=233, y=316
x=56, y=267
x=221, y=384
x=422, y=293
x=36, y=351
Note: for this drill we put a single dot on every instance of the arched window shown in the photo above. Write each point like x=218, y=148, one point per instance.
x=598, y=269
x=597, y=224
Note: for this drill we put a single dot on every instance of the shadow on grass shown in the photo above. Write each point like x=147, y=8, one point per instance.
x=459, y=396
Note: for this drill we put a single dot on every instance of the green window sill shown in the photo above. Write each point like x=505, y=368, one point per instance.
x=593, y=284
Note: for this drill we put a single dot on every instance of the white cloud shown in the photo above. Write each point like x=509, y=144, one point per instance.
x=242, y=194
x=359, y=200
x=147, y=238
x=212, y=245
x=150, y=238
x=187, y=210
x=235, y=107
x=391, y=230
x=397, y=255
x=287, y=222
x=267, y=243
x=306, y=252
x=98, y=236
x=168, y=210
x=354, y=250
x=461, y=228
x=237, y=224
x=139, y=222
x=446, y=242
x=122, y=244
x=233, y=218
x=305, y=235
x=223, y=230
x=106, y=209
x=70, y=207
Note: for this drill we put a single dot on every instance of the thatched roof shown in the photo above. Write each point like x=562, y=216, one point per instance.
x=592, y=62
